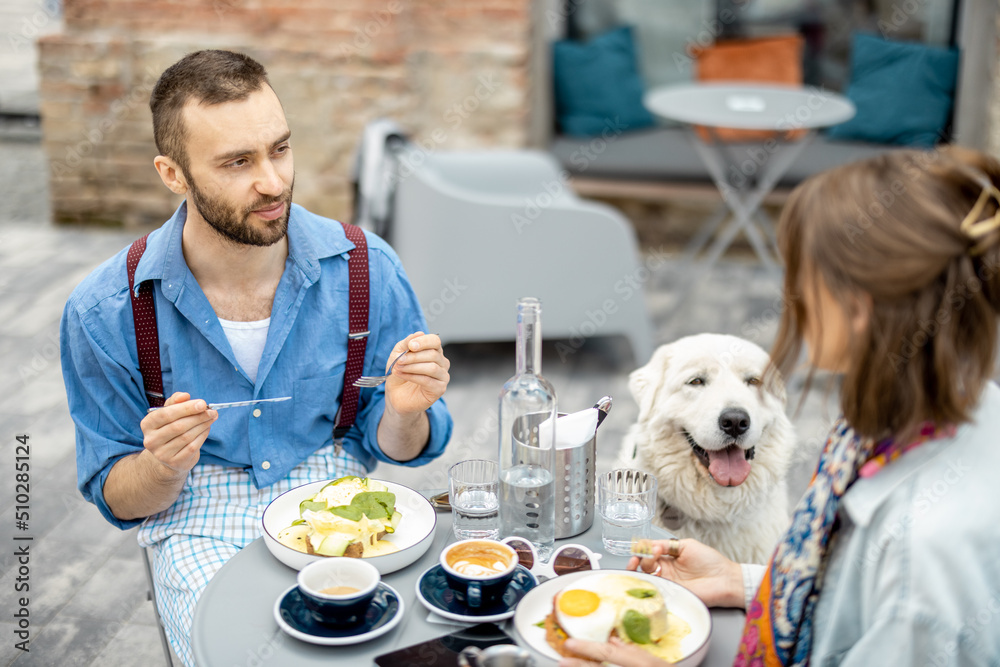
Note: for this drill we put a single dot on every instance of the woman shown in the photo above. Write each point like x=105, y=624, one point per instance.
x=893, y=282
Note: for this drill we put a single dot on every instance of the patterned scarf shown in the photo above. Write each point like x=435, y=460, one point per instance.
x=778, y=628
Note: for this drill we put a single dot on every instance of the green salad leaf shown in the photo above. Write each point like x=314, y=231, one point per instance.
x=349, y=512
x=376, y=504
x=641, y=593
x=313, y=505
x=636, y=627
x=373, y=504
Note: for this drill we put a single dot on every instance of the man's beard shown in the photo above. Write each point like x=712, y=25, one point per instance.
x=234, y=225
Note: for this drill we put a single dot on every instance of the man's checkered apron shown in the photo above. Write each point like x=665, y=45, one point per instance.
x=217, y=513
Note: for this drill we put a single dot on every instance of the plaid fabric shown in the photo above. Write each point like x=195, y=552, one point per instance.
x=217, y=513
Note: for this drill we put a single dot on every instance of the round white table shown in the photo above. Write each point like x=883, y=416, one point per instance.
x=746, y=172
x=234, y=623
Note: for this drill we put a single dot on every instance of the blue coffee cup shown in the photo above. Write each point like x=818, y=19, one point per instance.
x=478, y=571
x=338, y=590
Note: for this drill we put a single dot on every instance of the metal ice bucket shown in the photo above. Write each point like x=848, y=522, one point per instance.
x=575, y=472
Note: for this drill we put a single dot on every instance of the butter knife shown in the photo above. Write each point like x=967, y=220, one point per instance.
x=235, y=404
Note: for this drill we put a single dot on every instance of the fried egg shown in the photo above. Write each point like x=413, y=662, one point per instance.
x=585, y=613
x=594, y=607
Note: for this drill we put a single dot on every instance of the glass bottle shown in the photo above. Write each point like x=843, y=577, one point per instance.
x=527, y=482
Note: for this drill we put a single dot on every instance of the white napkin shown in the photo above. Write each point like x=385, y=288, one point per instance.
x=574, y=429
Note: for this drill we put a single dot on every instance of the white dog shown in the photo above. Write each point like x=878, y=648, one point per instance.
x=718, y=441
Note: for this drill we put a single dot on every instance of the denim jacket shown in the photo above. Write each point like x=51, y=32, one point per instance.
x=914, y=570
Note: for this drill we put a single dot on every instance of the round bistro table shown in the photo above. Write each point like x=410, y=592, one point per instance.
x=745, y=172
x=234, y=622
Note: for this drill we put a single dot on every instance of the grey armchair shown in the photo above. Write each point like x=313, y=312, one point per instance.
x=476, y=230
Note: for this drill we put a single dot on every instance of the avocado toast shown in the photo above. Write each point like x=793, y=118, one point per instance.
x=348, y=517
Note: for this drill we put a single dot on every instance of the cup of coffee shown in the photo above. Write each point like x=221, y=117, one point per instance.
x=478, y=571
x=338, y=591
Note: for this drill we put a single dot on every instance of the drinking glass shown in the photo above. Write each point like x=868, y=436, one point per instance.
x=626, y=499
x=473, y=488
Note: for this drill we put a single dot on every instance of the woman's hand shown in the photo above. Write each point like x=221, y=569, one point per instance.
x=701, y=569
x=614, y=652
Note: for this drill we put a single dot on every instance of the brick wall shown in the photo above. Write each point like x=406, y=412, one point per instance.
x=452, y=72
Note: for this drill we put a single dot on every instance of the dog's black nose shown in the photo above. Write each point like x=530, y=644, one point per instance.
x=734, y=422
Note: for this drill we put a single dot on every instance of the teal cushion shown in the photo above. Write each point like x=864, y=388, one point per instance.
x=597, y=85
x=903, y=92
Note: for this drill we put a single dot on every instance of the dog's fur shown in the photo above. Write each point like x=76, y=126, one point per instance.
x=676, y=417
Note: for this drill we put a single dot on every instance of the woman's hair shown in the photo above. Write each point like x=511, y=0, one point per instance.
x=891, y=228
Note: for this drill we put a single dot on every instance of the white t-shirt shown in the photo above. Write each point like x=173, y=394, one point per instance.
x=247, y=340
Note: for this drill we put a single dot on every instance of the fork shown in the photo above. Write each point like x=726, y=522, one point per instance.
x=366, y=381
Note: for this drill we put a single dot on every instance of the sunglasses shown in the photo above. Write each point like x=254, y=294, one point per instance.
x=566, y=559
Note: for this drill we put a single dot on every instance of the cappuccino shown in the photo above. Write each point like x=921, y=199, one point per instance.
x=479, y=558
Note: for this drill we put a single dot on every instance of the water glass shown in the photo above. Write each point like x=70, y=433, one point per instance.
x=473, y=488
x=626, y=499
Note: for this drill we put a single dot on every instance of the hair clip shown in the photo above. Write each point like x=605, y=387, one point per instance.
x=977, y=229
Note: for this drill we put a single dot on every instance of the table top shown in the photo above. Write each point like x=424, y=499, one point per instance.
x=234, y=621
x=750, y=106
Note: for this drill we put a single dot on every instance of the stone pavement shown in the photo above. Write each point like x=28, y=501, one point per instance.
x=87, y=589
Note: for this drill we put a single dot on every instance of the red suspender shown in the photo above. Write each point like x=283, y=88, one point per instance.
x=148, y=343
x=147, y=340
x=357, y=330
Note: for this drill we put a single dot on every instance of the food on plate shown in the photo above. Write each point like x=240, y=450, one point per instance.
x=603, y=605
x=348, y=517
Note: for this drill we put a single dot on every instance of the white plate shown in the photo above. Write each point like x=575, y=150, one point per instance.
x=413, y=535
x=537, y=604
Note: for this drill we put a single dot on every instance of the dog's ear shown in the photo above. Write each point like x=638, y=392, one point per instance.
x=645, y=381
x=774, y=383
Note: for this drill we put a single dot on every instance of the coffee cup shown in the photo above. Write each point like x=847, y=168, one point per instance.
x=478, y=571
x=338, y=591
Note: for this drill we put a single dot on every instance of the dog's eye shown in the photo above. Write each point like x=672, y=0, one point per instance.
x=696, y=382
x=753, y=381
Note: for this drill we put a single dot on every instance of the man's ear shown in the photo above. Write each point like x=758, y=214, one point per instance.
x=171, y=174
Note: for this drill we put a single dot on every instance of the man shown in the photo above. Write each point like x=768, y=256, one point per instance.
x=251, y=300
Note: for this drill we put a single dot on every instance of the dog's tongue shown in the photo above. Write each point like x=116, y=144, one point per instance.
x=729, y=466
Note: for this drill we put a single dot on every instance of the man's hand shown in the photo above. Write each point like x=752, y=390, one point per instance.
x=615, y=652
x=142, y=484
x=420, y=378
x=175, y=433
x=417, y=380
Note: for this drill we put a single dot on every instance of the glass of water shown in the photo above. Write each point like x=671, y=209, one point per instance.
x=626, y=499
x=473, y=488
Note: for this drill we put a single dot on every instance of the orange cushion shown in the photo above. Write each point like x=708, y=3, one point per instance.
x=760, y=60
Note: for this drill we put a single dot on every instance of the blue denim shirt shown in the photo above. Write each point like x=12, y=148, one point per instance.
x=913, y=576
x=304, y=357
